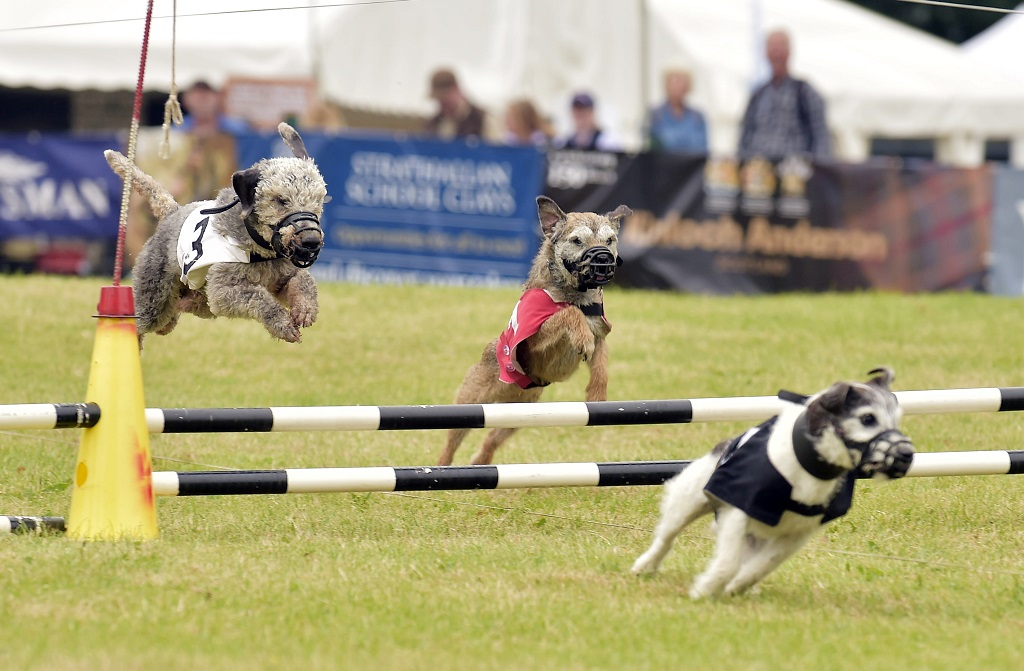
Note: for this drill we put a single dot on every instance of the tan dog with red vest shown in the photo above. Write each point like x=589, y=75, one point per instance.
x=558, y=322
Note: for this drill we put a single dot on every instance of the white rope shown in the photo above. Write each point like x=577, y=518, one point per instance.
x=172, y=109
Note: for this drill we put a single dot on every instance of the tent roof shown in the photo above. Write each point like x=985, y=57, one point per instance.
x=1000, y=47
x=96, y=44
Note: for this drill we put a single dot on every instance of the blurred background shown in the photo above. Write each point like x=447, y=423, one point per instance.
x=436, y=123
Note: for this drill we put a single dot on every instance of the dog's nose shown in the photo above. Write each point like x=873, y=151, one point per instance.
x=312, y=243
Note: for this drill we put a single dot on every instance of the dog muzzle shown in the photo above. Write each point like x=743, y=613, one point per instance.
x=890, y=453
x=305, y=242
x=595, y=268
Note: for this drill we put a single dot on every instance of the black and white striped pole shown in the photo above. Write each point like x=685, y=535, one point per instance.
x=499, y=415
x=509, y=476
x=25, y=523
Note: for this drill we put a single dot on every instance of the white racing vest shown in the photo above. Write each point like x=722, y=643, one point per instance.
x=200, y=246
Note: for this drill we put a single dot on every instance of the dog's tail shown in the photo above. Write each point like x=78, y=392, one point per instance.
x=160, y=200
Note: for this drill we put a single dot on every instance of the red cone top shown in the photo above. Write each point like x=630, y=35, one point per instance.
x=116, y=302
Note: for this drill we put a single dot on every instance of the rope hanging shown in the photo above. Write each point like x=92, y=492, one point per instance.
x=172, y=109
x=133, y=138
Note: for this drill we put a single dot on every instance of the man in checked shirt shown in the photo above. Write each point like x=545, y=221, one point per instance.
x=786, y=115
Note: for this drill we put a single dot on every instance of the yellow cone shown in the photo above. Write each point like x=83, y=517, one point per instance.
x=112, y=496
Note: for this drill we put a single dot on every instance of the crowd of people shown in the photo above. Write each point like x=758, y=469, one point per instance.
x=784, y=116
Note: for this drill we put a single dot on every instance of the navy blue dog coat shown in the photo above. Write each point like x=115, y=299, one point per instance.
x=746, y=479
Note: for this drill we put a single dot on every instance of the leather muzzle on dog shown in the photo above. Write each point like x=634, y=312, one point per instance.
x=595, y=268
x=302, y=255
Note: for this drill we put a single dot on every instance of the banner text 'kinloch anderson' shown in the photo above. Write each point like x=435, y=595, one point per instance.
x=725, y=234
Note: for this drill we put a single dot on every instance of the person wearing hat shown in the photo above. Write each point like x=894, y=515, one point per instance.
x=456, y=115
x=587, y=135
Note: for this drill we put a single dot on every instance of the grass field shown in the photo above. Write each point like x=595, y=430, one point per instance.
x=922, y=574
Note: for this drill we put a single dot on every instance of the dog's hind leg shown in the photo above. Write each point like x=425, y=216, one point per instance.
x=493, y=440
x=732, y=531
x=764, y=560
x=455, y=438
x=684, y=502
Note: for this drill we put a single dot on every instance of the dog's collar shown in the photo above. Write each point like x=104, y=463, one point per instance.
x=809, y=458
x=592, y=310
x=259, y=240
x=249, y=229
x=793, y=397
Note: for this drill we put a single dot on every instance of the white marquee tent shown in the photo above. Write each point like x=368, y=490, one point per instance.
x=1001, y=47
x=879, y=78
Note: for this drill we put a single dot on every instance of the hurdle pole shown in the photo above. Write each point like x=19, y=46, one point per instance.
x=524, y=415
x=481, y=416
x=509, y=476
x=27, y=523
x=49, y=416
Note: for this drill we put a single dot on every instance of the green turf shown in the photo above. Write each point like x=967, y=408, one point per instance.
x=922, y=574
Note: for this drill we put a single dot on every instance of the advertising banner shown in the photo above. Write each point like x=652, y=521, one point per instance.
x=716, y=225
x=56, y=186
x=1008, y=234
x=423, y=211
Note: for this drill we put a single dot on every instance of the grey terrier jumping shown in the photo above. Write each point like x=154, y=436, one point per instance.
x=244, y=254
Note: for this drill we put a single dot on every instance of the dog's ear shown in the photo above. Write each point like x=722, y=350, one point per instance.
x=618, y=214
x=244, y=183
x=882, y=377
x=550, y=215
x=827, y=404
x=834, y=398
x=293, y=140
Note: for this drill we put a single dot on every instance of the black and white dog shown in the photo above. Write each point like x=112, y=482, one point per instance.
x=774, y=487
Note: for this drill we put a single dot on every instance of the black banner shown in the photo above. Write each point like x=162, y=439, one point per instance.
x=715, y=225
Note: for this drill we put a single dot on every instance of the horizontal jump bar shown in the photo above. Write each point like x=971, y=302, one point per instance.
x=478, y=416
x=49, y=416
x=22, y=523
x=508, y=476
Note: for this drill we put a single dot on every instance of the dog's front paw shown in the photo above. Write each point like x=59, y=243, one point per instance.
x=303, y=315
x=704, y=587
x=585, y=348
x=284, y=329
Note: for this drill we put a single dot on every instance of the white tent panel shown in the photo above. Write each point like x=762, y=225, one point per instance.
x=83, y=45
x=1000, y=47
x=500, y=49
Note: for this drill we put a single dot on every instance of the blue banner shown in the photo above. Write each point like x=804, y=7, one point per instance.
x=423, y=211
x=1007, y=277
x=57, y=186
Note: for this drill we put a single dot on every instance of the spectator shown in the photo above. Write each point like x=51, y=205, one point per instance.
x=456, y=115
x=525, y=126
x=786, y=115
x=587, y=135
x=673, y=126
x=204, y=112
